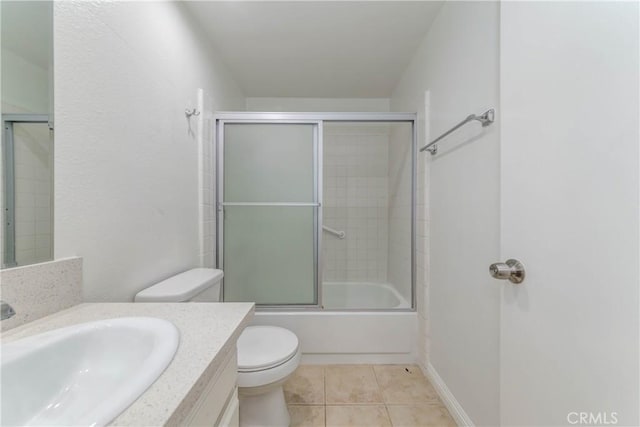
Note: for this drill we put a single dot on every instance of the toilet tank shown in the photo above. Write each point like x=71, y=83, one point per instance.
x=198, y=285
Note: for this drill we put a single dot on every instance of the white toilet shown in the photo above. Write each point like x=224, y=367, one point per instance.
x=267, y=355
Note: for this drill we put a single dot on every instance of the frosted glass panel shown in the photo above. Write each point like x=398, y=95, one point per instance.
x=268, y=162
x=269, y=254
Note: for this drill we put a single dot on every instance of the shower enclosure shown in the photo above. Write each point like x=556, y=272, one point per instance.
x=317, y=210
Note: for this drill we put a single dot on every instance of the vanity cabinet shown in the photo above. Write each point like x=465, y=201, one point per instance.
x=218, y=405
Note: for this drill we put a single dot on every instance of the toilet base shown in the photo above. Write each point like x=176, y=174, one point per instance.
x=264, y=410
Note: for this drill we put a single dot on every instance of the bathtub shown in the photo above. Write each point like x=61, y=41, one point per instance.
x=341, y=336
x=357, y=295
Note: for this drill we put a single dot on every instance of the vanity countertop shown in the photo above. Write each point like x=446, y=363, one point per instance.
x=208, y=332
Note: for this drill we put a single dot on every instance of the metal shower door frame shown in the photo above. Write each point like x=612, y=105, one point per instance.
x=317, y=119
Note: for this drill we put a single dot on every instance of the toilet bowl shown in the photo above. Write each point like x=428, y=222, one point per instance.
x=267, y=355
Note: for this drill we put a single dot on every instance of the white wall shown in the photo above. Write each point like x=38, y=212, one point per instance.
x=318, y=104
x=458, y=63
x=126, y=160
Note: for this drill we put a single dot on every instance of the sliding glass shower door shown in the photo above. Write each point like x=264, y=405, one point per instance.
x=268, y=212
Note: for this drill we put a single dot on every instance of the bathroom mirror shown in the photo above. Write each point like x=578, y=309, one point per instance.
x=26, y=178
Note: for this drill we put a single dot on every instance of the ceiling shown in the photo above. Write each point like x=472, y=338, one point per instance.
x=328, y=49
x=27, y=30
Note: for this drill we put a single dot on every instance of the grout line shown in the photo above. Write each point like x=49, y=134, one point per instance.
x=355, y=404
x=324, y=393
x=386, y=409
x=375, y=375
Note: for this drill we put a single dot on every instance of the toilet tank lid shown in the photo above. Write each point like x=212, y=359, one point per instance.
x=181, y=287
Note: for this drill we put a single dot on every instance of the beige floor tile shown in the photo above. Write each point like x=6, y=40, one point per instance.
x=306, y=386
x=357, y=416
x=404, y=384
x=430, y=415
x=307, y=415
x=351, y=384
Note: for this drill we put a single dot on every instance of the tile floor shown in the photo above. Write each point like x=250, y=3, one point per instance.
x=363, y=396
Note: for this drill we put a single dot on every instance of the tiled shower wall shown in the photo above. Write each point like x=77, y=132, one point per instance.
x=356, y=179
x=207, y=159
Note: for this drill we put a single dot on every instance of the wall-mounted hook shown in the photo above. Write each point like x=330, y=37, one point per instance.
x=193, y=112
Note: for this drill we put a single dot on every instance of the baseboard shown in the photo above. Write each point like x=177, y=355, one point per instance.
x=357, y=359
x=459, y=415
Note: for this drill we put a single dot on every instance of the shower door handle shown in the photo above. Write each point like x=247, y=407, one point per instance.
x=512, y=270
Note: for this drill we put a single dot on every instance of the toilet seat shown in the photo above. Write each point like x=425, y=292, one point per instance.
x=265, y=347
x=266, y=355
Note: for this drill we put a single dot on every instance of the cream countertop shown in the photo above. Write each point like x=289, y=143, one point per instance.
x=208, y=332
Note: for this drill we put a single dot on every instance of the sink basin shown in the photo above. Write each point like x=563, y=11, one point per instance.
x=85, y=374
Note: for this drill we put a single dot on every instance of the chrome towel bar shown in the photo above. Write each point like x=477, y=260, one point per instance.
x=485, y=118
x=338, y=233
